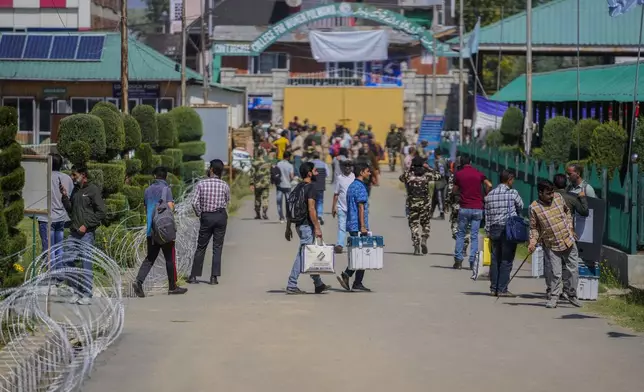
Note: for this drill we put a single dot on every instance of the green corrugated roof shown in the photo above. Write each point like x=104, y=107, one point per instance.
x=145, y=64
x=555, y=24
x=601, y=83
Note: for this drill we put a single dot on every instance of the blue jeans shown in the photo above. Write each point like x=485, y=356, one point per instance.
x=57, y=236
x=297, y=162
x=84, y=285
x=305, y=232
x=342, y=228
x=281, y=194
x=319, y=204
x=473, y=217
x=503, y=252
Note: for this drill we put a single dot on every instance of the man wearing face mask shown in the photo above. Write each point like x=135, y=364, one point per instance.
x=576, y=183
x=339, y=209
x=86, y=211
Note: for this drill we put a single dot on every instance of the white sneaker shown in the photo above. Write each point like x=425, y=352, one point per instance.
x=85, y=301
x=281, y=220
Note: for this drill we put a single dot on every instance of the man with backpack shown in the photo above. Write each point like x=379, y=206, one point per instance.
x=301, y=210
x=161, y=233
x=281, y=175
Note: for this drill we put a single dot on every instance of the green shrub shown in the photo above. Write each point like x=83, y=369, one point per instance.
x=512, y=125
x=142, y=180
x=95, y=176
x=537, y=153
x=556, y=141
x=188, y=123
x=177, y=157
x=168, y=134
x=583, y=132
x=638, y=144
x=132, y=167
x=193, y=169
x=10, y=157
x=79, y=153
x=82, y=127
x=145, y=154
x=167, y=162
x=132, y=132
x=581, y=162
x=156, y=161
x=14, y=212
x=114, y=130
x=192, y=150
x=14, y=181
x=494, y=138
x=106, y=105
x=134, y=195
x=176, y=185
x=116, y=207
x=8, y=125
x=510, y=149
x=113, y=176
x=607, y=145
x=146, y=116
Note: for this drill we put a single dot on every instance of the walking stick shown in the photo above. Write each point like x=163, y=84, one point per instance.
x=515, y=274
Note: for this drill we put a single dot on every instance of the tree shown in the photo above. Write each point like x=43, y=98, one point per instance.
x=557, y=139
x=155, y=10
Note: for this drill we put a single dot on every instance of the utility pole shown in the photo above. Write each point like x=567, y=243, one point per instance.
x=528, y=78
x=124, y=59
x=434, y=65
x=204, y=64
x=461, y=82
x=183, y=52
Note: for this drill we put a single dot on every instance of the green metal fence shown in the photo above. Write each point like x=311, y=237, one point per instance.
x=624, y=228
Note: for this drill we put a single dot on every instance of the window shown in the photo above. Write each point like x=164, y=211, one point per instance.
x=114, y=101
x=266, y=62
x=26, y=108
x=79, y=105
x=44, y=116
x=152, y=102
x=345, y=69
x=165, y=104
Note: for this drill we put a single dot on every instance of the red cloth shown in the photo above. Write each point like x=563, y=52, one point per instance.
x=469, y=182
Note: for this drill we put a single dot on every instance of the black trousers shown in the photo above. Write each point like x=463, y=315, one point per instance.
x=153, y=253
x=211, y=224
x=359, y=273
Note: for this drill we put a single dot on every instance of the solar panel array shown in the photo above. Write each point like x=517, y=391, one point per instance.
x=51, y=47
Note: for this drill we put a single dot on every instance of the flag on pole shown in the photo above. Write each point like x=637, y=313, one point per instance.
x=620, y=7
x=473, y=39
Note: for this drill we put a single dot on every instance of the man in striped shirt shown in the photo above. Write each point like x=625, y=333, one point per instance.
x=211, y=199
x=551, y=224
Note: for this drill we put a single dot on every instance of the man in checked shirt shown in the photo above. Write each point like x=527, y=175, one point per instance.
x=501, y=203
x=551, y=223
x=211, y=199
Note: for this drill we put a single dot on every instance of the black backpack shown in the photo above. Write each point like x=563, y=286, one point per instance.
x=276, y=175
x=297, y=209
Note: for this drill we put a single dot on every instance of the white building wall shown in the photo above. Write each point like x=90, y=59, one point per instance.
x=76, y=15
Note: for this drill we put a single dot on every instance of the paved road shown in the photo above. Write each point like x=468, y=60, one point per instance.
x=425, y=328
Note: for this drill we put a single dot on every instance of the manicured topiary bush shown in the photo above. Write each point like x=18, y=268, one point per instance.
x=607, y=145
x=192, y=150
x=188, y=123
x=583, y=132
x=168, y=134
x=79, y=153
x=106, y=105
x=166, y=161
x=145, y=154
x=114, y=130
x=86, y=128
x=113, y=176
x=134, y=195
x=177, y=157
x=156, y=161
x=12, y=180
x=193, y=169
x=556, y=141
x=142, y=180
x=95, y=176
x=132, y=132
x=494, y=138
x=512, y=126
x=132, y=167
x=146, y=116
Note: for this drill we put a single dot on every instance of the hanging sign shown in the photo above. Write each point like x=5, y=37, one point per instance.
x=431, y=128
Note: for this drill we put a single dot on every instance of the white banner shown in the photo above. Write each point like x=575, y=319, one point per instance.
x=344, y=46
x=175, y=10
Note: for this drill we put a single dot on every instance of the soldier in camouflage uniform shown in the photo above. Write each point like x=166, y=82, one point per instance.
x=260, y=183
x=453, y=201
x=419, y=181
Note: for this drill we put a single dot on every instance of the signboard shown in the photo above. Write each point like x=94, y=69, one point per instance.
x=35, y=191
x=233, y=50
x=48, y=92
x=590, y=230
x=260, y=103
x=325, y=82
x=175, y=10
x=383, y=73
x=138, y=90
x=431, y=128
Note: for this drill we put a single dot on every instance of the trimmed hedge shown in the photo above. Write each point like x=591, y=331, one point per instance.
x=494, y=139
x=10, y=157
x=188, y=123
x=177, y=157
x=132, y=132
x=168, y=133
x=167, y=162
x=116, y=207
x=146, y=116
x=192, y=150
x=583, y=132
x=132, y=167
x=96, y=176
x=114, y=130
x=13, y=181
x=556, y=141
x=156, y=162
x=607, y=145
x=193, y=169
x=134, y=195
x=512, y=125
x=142, y=180
x=79, y=153
x=106, y=105
x=14, y=212
x=8, y=125
x=87, y=128
x=145, y=153
x=176, y=185
x=113, y=176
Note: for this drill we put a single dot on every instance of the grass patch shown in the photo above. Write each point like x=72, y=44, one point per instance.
x=239, y=189
x=625, y=310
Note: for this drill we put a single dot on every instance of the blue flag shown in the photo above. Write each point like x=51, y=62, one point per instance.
x=620, y=7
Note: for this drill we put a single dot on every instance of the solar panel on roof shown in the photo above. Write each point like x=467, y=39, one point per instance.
x=12, y=45
x=90, y=47
x=37, y=47
x=64, y=47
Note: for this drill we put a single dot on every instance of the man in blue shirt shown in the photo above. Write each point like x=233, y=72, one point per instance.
x=158, y=191
x=357, y=219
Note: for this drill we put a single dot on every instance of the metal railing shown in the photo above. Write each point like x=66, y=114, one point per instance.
x=343, y=77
